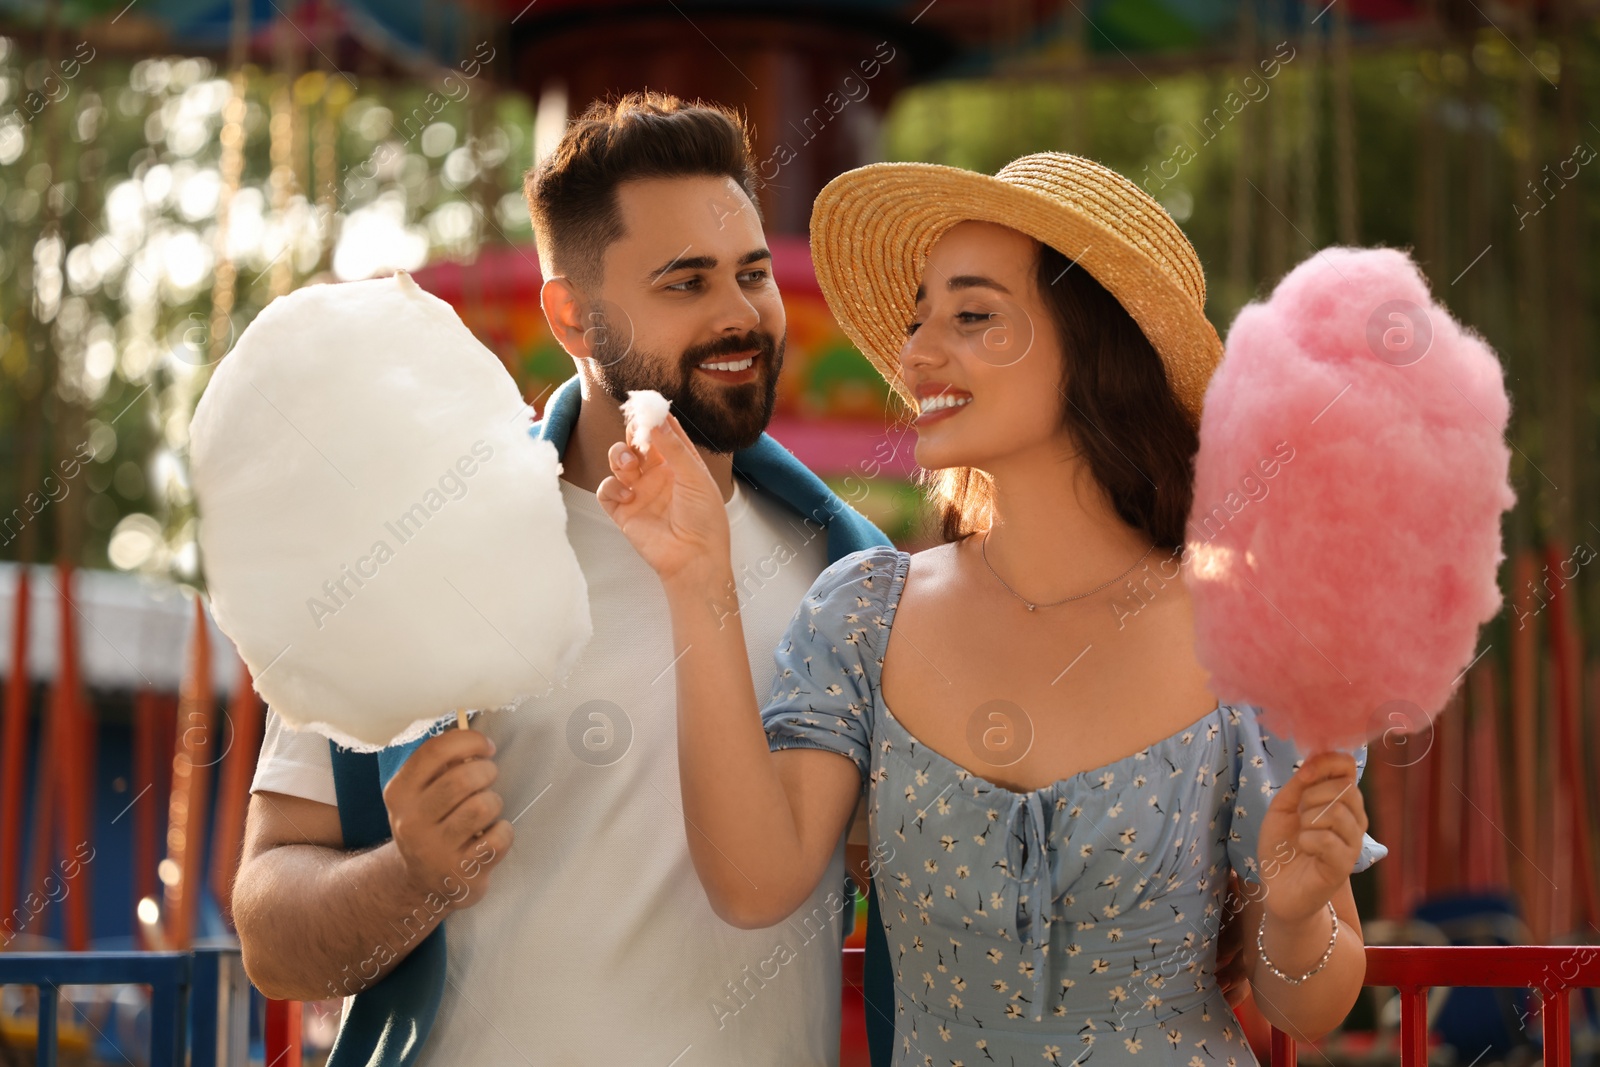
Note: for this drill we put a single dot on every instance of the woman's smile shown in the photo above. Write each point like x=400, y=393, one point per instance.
x=937, y=401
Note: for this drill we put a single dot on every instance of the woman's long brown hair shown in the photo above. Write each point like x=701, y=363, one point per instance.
x=1136, y=439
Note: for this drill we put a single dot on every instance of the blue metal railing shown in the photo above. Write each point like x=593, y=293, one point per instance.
x=201, y=995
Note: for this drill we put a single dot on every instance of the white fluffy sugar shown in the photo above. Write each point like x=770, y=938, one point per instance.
x=644, y=410
x=382, y=538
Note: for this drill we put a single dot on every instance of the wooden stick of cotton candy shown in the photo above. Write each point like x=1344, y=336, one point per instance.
x=1344, y=539
x=644, y=410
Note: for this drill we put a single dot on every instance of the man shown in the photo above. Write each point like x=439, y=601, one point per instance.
x=597, y=944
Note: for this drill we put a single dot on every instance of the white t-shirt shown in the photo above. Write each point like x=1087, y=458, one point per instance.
x=595, y=942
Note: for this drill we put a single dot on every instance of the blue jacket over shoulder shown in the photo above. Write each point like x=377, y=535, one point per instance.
x=387, y=1024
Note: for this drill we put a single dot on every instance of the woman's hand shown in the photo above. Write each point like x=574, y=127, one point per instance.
x=1311, y=836
x=667, y=504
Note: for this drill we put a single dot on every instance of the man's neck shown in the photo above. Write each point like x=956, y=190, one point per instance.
x=599, y=426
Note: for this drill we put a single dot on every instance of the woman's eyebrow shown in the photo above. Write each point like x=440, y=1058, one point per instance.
x=971, y=281
x=968, y=281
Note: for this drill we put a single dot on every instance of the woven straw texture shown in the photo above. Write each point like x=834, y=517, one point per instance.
x=872, y=229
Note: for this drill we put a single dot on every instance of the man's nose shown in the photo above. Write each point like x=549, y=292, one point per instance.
x=736, y=314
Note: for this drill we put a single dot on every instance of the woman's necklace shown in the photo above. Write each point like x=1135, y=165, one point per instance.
x=983, y=548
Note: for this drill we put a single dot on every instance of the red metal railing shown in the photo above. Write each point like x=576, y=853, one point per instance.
x=281, y=1035
x=1552, y=971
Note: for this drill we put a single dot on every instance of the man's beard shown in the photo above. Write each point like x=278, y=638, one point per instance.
x=716, y=417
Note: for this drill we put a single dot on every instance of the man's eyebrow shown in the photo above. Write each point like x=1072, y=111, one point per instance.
x=967, y=281
x=706, y=262
x=684, y=263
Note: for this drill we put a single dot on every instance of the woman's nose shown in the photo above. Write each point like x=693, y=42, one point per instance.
x=920, y=351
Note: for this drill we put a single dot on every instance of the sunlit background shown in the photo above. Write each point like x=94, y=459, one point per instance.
x=167, y=168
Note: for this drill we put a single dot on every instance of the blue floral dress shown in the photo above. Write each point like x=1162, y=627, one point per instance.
x=1076, y=923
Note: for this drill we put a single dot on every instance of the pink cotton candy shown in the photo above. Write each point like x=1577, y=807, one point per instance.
x=1352, y=470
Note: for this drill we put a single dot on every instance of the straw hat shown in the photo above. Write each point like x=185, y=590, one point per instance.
x=872, y=228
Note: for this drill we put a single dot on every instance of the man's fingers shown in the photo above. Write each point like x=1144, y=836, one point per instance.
x=472, y=816
x=498, y=838
x=436, y=754
x=454, y=786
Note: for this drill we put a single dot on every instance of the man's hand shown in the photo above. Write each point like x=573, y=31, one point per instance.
x=445, y=818
x=317, y=920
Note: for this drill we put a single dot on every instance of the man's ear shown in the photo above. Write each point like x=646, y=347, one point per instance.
x=566, y=310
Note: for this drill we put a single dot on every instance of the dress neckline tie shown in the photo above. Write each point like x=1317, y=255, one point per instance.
x=1028, y=864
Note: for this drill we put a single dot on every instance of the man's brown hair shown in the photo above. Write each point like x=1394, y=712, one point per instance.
x=572, y=193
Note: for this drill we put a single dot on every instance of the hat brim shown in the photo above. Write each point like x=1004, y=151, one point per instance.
x=873, y=227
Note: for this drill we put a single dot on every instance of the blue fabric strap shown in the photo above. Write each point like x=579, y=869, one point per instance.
x=387, y=1024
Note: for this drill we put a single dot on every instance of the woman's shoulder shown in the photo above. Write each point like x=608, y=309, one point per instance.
x=865, y=574
x=850, y=602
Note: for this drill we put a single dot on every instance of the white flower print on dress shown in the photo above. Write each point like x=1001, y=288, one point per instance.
x=1145, y=841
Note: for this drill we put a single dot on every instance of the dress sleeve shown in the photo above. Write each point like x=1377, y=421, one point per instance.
x=1262, y=763
x=829, y=659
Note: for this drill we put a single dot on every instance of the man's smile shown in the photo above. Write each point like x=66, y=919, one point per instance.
x=739, y=367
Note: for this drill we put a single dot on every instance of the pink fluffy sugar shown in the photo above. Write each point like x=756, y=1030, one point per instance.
x=1348, y=587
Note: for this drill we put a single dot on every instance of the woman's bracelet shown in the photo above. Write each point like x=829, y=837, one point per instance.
x=1261, y=949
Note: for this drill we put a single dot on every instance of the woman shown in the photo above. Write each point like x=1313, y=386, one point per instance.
x=1056, y=799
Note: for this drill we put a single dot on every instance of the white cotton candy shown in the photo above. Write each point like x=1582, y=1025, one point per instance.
x=382, y=538
x=643, y=411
